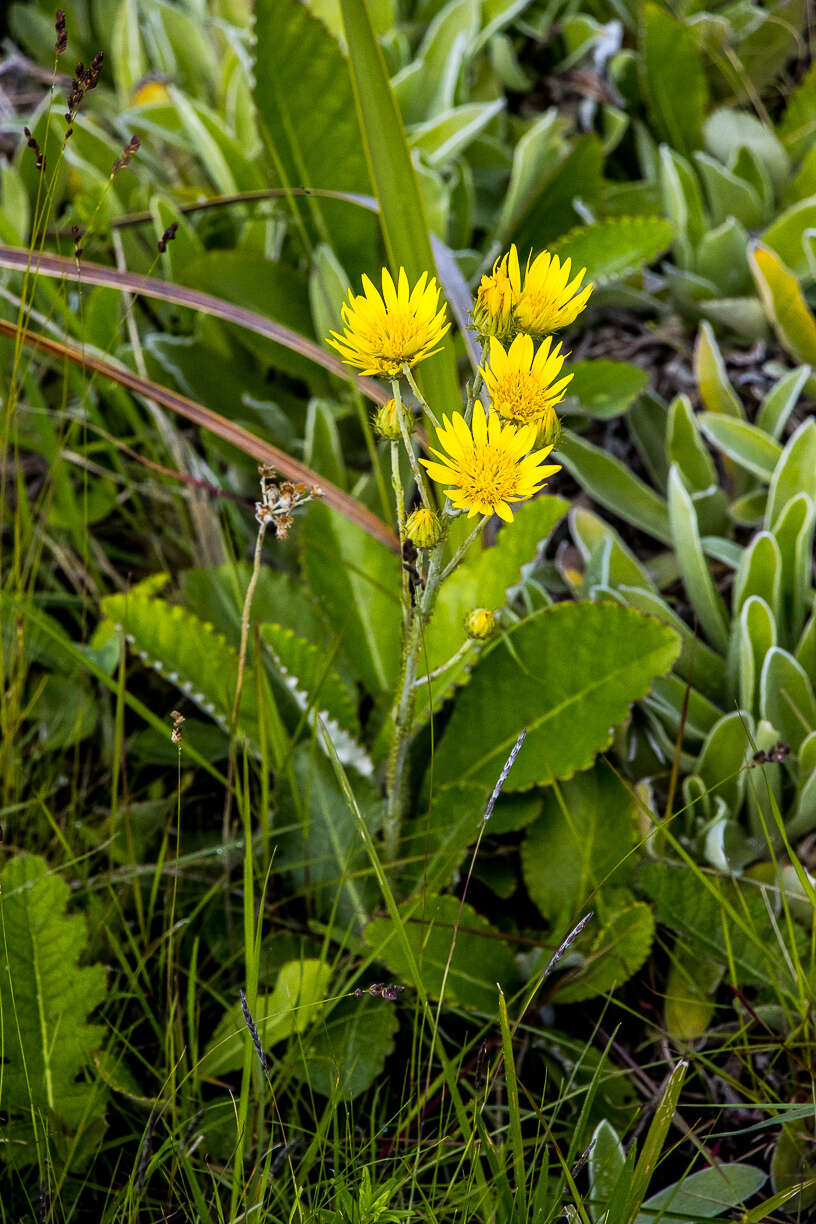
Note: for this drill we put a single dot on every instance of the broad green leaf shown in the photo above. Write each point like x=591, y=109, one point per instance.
x=785, y=235
x=685, y=447
x=613, y=249
x=748, y=445
x=312, y=146
x=729, y=196
x=756, y=629
x=356, y=581
x=612, y=484
x=794, y=473
x=688, y=1001
x=742, y=315
x=784, y=305
x=793, y=532
x=347, y=1054
x=480, y=958
x=716, y=391
x=606, y=1163
x=759, y=573
x=581, y=842
x=786, y=697
x=781, y=400
x=725, y=919
x=620, y=566
x=45, y=1000
x=293, y=1005
x=673, y=78
x=568, y=674
x=317, y=839
x=722, y=259
x=705, y=599
x=703, y=1195
x=447, y=135
x=727, y=130
x=683, y=205
x=618, y=951
x=797, y=128
x=724, y=752
x=402, y=213
x=606, y=389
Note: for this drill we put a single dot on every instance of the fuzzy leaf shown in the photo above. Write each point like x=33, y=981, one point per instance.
x=45, y=998
x=605, y=389
x=784, y=305
x=568, y=674
x=614, y=486
x=613, y=249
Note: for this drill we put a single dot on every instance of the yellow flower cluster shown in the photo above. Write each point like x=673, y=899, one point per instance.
x=490, y=464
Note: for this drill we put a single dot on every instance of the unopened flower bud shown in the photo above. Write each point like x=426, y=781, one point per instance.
x=493, y=309
x=480, y=623
x=423, y=528
x=549, y=428
x=386, y=421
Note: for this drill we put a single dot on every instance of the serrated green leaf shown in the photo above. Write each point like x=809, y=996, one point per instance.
x=618, y=951
x=480, y=958
x=568, y=674
x=579, y=843
x=189, y=654
x=348, y=1053
x=294, y=1004
x=613, y=249
x=45, y=999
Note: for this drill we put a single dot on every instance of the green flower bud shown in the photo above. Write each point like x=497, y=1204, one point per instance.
x=480, y=623
x=423, y=528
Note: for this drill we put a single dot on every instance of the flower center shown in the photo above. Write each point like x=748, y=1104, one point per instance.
x=397, y=337
x=489, y=474
x=520, y=395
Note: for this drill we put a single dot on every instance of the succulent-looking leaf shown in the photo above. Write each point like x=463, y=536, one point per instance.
x=716, y=391
x=705, y=599
x=568, y=674
x=786, y=697
x=703, y=1195
x=614, y=486
x=45, y=999
x=752, y=448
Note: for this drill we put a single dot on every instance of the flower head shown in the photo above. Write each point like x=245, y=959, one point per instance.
x=522, y=383
x=496, y=298
x=549, y=299
x=385, y=332
x=480, y=624
x=488, y=466
x=423, y=528
x=385, y=421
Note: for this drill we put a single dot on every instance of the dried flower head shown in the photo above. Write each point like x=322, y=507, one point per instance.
x=488, y=466
x=522, y=383
x=84, y=80
x=279, y=499
x=385, y=332
x=32, y=144
x=178, y=721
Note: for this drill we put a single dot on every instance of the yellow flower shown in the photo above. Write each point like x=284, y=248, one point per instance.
x=423, y=528
x=488, y=466
x=495, y=299
x=480, y=624
x=549, y=299
x=384, y=333
x=522, y=386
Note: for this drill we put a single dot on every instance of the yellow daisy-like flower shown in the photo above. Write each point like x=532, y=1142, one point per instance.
x=522, y=383
x=385, y=332
x=488, y=466
x=548, y=298
x=496, y=297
